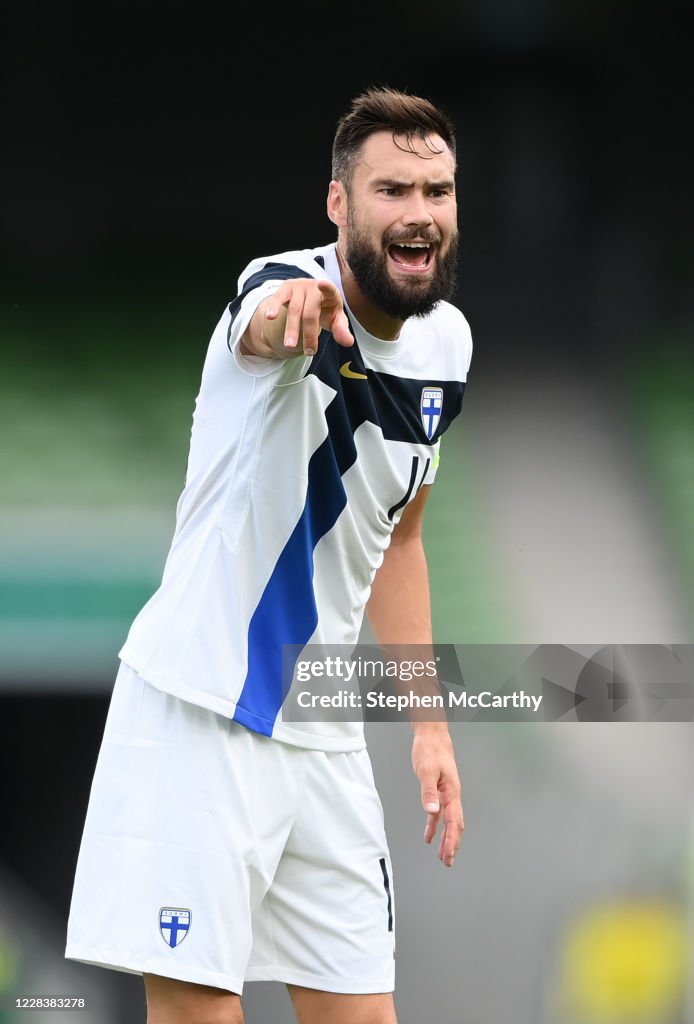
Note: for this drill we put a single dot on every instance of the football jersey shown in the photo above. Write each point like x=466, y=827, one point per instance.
x=297, y=473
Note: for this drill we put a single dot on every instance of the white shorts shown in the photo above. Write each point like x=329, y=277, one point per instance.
x=215, y=855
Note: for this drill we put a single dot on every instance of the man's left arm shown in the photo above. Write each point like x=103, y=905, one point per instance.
x=399, y=611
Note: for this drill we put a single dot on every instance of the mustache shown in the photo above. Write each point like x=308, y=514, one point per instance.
x=413, y=235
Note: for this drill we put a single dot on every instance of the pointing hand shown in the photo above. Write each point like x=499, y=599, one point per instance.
x=297, y=312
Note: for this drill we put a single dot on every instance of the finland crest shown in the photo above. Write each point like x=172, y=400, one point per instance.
x=174, y=924
x=430, y=408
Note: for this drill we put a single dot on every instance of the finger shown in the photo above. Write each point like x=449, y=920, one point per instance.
x=430, y=827
x=452, y=833
x=340, y=330
x=450, y=842
x=295, y=309
x=442, y=843
x=430, y=795
x=330, y=292
x=432, y=806
x=310, y=326
x=337, y=321
x=280, y=297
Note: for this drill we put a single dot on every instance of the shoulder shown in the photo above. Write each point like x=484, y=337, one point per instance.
x=448, y=317
x=449, y=330
x=285, y=265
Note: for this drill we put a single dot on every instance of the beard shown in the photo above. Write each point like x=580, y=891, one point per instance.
x=411, y=297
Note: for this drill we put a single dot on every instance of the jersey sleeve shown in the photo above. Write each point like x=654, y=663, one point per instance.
x=458, y=372
x=430, y=474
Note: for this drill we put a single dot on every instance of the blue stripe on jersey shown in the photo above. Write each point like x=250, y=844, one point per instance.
x=286, y=612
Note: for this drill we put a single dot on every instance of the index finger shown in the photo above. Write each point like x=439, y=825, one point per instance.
x=333, y=306
x=340, y=330
x=330, y=290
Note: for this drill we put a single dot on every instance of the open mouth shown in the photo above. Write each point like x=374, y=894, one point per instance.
x=414, y=257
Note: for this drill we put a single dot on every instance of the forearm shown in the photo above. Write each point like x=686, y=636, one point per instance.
x=399, y=612
x=399, y=609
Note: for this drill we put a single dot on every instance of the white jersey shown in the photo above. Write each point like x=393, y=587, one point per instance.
x=298, y=471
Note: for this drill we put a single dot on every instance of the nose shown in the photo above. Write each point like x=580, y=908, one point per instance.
x=417, y=210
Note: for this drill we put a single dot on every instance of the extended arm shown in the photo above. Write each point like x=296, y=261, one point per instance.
x=399, y=612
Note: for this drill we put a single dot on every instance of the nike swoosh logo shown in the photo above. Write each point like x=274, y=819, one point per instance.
x=346, y=372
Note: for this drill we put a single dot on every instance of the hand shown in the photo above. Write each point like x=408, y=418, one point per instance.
x=309, y=306
x=433, y=760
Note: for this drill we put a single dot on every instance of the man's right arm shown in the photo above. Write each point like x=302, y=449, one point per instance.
x=288, y=323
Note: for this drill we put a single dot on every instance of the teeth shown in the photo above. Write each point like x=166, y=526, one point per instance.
x=414, y=245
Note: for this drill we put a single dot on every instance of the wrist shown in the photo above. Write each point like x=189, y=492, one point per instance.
x=434, y=729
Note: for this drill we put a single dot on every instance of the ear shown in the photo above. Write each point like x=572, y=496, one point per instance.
x=337, y=204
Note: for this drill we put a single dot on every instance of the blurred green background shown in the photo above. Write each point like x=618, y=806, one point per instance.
x=96, y=401
x=149, y=153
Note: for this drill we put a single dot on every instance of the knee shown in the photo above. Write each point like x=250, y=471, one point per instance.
x=170, y=1001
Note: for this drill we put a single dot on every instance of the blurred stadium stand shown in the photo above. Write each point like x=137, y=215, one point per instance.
x=142, y=178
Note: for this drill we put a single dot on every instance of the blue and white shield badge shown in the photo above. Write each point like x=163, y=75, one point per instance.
x=174, y=925
x=430, y=406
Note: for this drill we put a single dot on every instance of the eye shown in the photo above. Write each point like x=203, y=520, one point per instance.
x=390, y=190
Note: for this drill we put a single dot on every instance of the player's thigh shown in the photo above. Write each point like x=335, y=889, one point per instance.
x=315, y=1007
x=170, y=1001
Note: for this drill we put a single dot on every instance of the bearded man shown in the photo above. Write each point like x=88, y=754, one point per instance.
x=225, y=841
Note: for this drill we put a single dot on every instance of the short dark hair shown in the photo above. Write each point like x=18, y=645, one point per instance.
x=381, y=108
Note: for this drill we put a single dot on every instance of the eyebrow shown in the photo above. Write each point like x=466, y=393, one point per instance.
x=395, y=183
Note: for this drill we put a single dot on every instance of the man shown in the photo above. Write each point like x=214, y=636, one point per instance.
x=223, y=841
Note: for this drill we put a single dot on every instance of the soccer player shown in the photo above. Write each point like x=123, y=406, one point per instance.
x=223, y=842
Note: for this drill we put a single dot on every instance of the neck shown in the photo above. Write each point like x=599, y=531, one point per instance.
x=371, y=319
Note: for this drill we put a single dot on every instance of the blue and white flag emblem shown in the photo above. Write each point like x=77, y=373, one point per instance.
x=430, y=408
x=174, y=925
